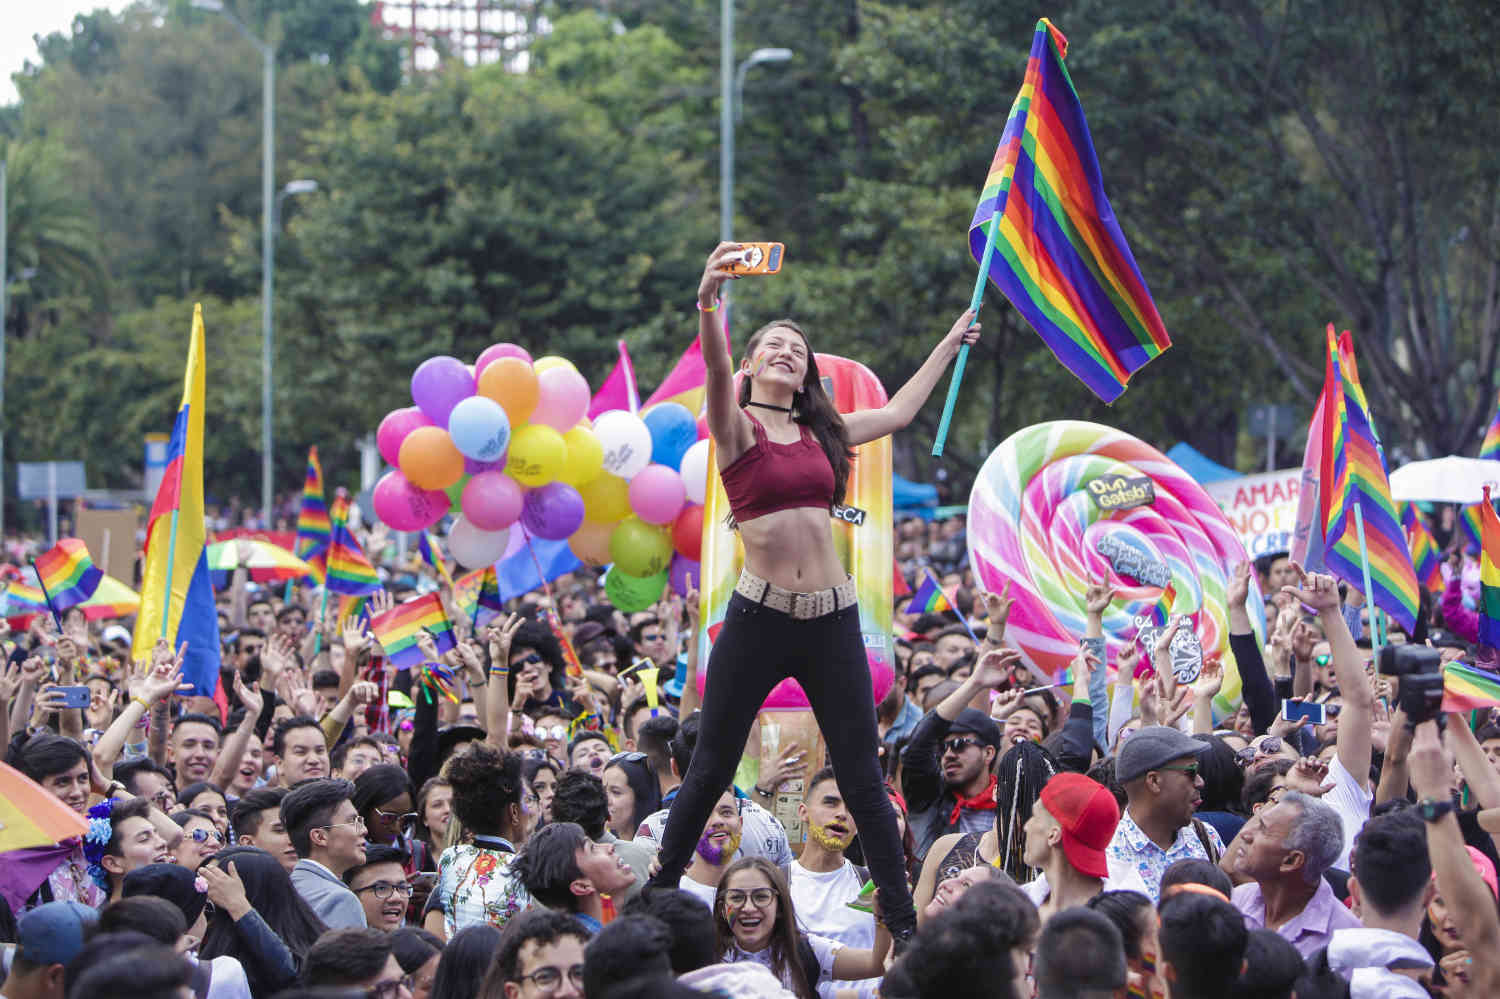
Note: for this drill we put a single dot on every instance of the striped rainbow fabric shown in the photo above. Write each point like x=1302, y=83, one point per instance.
x=1467, y=688
x=314, y=529
x=1425, y=559
x=68, y=575
x=1060, y=256
x=397, y=629
x=1359, y=477
x=349, y=572
x=1490, y=447
x=1489, y=574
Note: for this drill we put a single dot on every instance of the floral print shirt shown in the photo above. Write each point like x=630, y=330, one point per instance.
x=475, y=885
x=70, y=881
x=1132, y=853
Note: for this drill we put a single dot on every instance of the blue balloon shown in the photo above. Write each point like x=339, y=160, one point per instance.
x=673, y=431
x=479, y=428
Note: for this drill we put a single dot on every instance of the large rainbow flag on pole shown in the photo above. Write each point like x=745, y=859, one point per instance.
x=349, y=572
x=177, y=596
x=1060, y=256
x=314, y=530
x=1359, y=490
x=1467, y=688
x=67, y=575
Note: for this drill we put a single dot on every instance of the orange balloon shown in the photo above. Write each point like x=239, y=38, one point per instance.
x=512, y=383
x=429, y=460
x=591, y=543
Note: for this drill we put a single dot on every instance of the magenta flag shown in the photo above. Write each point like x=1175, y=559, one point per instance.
x=618, y=390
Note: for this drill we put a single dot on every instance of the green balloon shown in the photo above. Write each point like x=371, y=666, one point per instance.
x=640, y=549
x=455, y=493
x=632, y=593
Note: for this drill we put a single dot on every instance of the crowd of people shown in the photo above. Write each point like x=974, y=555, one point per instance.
x=338, y=828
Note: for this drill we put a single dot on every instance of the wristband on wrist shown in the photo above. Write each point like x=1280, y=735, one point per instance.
x=138, y=699
x=711, y=308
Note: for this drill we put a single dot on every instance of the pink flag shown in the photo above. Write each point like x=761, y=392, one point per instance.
x=1307, y=535
x=685, y=383
x=618, y=390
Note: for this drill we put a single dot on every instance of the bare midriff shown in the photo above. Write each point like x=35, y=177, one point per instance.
x=793, y=549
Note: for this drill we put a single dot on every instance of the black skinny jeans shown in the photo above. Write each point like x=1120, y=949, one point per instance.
x=757, y=648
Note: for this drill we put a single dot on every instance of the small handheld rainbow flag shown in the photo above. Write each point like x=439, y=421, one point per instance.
x=349, y=572
x=1424, y=550
x=1489, y=574
x=929, y=598
x=1490, y=447
x=397, y=629
x=314, y=529
x=1466, y=688
x=67, y=575
x=432, y=556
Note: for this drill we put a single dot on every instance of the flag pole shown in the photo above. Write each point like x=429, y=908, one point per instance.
x=48, y=597
x=1364, y=558
x=166, y=607
x=975, y=301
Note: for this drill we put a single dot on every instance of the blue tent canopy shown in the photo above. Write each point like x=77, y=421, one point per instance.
x=1203, y=469
x=909, y=497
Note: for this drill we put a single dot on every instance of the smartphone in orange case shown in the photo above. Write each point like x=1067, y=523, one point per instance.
x=756, y=258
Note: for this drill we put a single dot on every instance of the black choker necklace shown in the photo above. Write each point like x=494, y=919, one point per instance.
x=767, y=405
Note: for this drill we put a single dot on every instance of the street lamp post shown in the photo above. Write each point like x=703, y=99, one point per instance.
x=731, y=94
x=267, y=262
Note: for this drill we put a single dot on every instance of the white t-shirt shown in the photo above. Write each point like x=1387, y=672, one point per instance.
x=823, y=948
x=821, y=901
x=699, y=890
x=1352, y=802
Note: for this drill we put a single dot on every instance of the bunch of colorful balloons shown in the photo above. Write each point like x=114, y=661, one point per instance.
x=508, y=442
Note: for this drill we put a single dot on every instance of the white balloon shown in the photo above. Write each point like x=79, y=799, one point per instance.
x=472, y=547
x=695, y=472
x=626, y=442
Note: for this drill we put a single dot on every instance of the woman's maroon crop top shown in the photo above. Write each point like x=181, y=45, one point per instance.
x=770, y=476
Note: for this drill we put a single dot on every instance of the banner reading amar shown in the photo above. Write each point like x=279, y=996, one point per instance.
x=1262, y=508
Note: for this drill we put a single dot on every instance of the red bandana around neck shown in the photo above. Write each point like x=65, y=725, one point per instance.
x=984, y=801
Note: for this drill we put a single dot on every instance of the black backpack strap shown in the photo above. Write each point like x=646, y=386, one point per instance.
x=1208, y=844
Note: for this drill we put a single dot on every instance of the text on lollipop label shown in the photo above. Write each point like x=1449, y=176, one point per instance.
x=1127, y=560
x=1121, y=492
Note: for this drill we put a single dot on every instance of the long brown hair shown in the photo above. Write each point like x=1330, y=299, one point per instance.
x=812, y=408
x=786, y=962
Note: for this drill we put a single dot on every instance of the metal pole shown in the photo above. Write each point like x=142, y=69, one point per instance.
x=267, y=269
x=4, y=230
x=726, y=133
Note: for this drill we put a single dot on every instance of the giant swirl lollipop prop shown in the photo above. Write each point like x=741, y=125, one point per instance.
x=1059, y=502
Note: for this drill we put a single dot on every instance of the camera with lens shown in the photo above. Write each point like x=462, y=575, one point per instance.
x=1420, y=670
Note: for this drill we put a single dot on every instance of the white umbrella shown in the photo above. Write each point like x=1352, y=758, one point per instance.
x=1453, y=479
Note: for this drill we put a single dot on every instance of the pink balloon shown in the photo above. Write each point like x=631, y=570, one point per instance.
x=401, y=506
x=495, y=352
x=657, y=494
x=491, y=501
x=789, y=693
x=393, y=430
x=703, y=427
x=564, y=400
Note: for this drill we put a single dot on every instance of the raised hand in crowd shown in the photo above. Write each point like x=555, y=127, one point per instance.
x=996, y=614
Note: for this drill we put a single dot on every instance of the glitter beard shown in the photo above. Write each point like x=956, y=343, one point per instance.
x=829, y=841
x=713, y=853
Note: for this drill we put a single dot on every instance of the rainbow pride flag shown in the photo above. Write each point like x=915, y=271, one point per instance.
x=1060, y=256
x=476, y=590
x=314, y=529
x=68, y=576
x=1425, y=559
x=1490, y=447
x=929, y=598
x=1489, y=574
x=349, y=572
x=1466, y=688
x=21, y=599
x=397, y=629
x=1359, y=478
x=430, y=553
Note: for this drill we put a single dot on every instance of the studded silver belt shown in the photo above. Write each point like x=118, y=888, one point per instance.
x=802, y=606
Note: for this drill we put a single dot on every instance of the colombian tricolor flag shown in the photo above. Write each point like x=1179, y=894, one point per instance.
x=177, y=597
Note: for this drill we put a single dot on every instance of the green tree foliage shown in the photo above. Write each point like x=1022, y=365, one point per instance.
x=1275, y=166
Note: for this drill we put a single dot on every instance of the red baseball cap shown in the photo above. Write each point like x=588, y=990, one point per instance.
x=1088, y=814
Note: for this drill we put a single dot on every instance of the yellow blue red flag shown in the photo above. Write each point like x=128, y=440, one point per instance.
x=177, y=597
